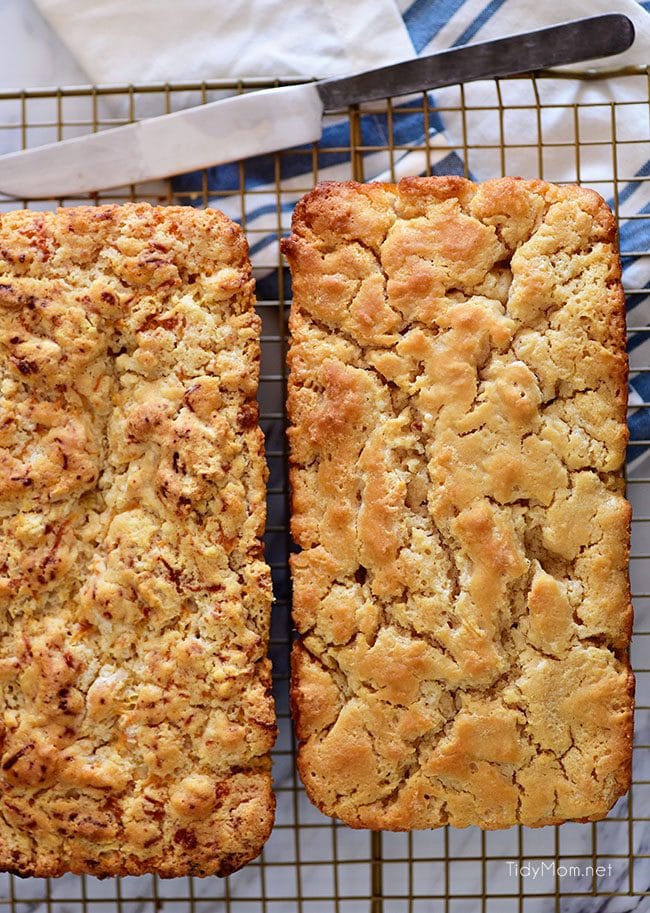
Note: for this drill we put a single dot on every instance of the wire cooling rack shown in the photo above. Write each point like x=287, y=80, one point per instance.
x=311, y=864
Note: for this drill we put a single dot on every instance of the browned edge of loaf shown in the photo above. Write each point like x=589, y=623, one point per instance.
x=324, y=198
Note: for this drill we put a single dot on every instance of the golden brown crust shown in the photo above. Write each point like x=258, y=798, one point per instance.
x=137, y=717
x=457, y=402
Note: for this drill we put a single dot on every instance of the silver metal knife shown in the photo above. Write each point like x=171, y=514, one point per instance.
x=271, y=119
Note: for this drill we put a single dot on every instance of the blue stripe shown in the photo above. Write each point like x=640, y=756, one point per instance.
x=634, y=340
x=450, y=164
x=633, y=301
x=268, y=287
x=475, y=26
x=624, y=234
x=639, y=421
x=424, y=19
x=262, y=243
x=625, y=194
x=636, y=450
x=641, y=384
x=407, y=128
x=633, y=235
x=269, y=208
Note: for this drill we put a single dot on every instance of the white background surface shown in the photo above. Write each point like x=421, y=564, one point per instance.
x=31, y=54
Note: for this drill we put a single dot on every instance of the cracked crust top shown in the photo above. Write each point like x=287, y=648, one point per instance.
x=136, y=714
x=457, y=399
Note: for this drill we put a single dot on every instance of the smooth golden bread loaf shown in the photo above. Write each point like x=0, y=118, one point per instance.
x=457, y=402
x=136, y=712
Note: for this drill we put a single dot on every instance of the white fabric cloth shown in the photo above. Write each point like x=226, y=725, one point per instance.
x=160, y=40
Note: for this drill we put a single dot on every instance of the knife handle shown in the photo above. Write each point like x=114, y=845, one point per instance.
x=571, y=42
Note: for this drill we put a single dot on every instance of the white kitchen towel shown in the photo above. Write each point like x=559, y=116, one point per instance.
x=136, y=41
x=164, y=40
x=169, y=40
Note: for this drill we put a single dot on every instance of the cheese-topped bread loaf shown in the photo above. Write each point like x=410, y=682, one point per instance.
x=457, y=403
x=137, y=719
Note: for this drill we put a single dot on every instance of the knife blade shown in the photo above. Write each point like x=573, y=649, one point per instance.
x=271, y=119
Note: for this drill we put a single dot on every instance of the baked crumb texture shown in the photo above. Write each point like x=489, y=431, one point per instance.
x=457, y=398
x=137, y=719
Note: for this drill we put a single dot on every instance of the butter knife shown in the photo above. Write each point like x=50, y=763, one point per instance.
x=279, y=118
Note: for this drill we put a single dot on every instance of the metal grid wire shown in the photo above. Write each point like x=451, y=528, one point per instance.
x=311, y=864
